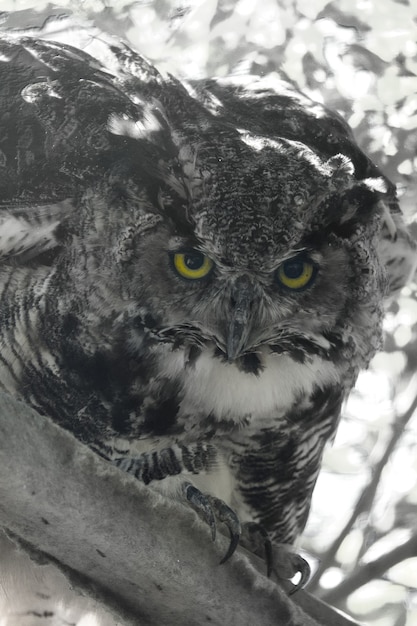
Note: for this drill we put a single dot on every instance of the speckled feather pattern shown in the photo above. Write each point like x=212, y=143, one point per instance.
x=105, y=173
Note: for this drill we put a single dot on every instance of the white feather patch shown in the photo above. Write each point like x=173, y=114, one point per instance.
x=31, y=231
x=213, y=387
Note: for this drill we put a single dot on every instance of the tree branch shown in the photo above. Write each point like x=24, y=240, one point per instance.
x=371, y=570
x=146, y=559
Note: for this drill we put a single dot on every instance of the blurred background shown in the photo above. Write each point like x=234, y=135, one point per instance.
x=359, y=57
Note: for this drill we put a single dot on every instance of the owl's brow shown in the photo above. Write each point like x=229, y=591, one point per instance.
x=185, y=242
x=303, y=248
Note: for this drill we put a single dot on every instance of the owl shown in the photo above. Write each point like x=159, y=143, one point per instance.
x=193, y=274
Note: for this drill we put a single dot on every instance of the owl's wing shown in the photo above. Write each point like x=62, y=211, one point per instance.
x=272, y=106
x=55, y=103
x=59, y=115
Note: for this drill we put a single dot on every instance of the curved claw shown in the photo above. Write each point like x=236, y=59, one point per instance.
x=210, y=508
x=304, y=569
x=201, y=504
x=234, y=541
x=226, y=515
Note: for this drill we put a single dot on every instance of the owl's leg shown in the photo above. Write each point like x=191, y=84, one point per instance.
x=281, y=558
x=170, y=462
x=256, y=539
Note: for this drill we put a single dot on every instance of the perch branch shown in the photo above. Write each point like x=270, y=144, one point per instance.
x=148, y=560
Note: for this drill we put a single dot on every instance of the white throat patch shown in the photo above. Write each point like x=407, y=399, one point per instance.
x=213, y=387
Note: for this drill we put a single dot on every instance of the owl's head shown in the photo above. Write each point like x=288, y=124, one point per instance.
x=252, y=246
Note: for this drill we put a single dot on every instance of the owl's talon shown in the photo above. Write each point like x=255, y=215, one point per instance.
x=281, y=559
x=209, y=508
x=288, y=563
x=234, y=541
x=253, y=530
x=226, y=515
x=201, y=504
x=304, y=569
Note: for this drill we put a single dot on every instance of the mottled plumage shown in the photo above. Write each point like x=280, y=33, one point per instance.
x=192, y=274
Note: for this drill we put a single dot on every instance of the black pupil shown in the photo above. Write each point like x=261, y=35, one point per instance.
x=193, y=260
x=293, y=269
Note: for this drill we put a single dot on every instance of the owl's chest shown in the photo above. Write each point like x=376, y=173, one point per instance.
x=214, y=394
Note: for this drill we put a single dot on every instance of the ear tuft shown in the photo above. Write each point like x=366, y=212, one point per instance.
x=341, y=164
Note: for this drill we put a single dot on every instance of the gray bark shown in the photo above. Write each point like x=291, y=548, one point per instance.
x=146, y=559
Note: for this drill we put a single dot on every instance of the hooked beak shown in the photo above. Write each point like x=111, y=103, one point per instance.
x=242, y=298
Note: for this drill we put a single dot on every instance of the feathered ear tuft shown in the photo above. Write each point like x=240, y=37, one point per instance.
x=29, y=231
x=360, y=200
x=379, y=184
x=354, y=199
x=341, y=165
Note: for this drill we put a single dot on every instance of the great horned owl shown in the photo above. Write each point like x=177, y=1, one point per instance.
x=192, y=274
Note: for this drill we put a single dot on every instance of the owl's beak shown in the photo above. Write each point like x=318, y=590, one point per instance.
x=239, y=327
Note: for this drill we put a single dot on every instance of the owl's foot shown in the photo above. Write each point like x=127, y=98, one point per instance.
x=210, y=509
x=287, y=563
x=281, y=559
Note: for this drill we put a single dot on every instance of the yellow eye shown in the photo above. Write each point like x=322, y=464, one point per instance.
x=297, y=273
x=192, y=264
